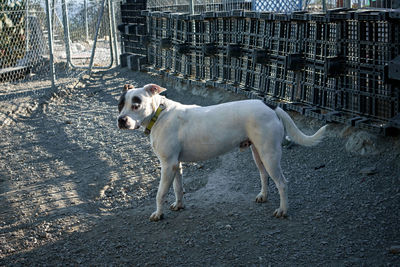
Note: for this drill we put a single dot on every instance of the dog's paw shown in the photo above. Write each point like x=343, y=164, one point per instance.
x=261, y=198
x=155, y=217
x=176, y=206
x=280, y=213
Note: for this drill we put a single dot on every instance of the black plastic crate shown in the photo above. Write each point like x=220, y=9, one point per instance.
x=210, y=68
x=177, y=62
x=167, y=58
x=263, y=32
x=371, y=41
x=154, y=55
x=137, y=2
x=371, y=15
x=299, y=16
x=126, y=38
x=133, y=29
x=187, y=61
x=338, y=14
x=131, y=13
x=204, y=32
x=181, y=30
x=251, y=33
x=160, y=27
x=210, y=31
x=236, y=69
x=135, y=20
x=370, y=81
x=133, y=49
x=247, y=74
x=318, y=89
x=286, y=38
x=260, y=82
x=222, y=26
x=370, y=105
x=365, y=92
x=230, y=30
x=281, y=82
x=198, y=65
x=323, y=39
x=224, y=68
x=140, y=5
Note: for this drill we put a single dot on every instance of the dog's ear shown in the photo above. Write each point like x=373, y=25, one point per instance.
x=127, y=87
x=154, y=89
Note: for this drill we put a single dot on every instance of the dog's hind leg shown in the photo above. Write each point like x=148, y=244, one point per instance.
x=271, y=158
x=168, y=172
x=262, y=196
x=178, y=189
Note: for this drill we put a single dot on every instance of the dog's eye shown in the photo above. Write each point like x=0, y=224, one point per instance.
x=135, y=106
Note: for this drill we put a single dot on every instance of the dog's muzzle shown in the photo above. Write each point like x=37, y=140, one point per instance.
x=122, y=122
x=125, y=123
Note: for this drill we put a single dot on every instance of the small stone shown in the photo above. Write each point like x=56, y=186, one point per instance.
x=319, y=167
x=395, y=249
x=369, y=170
x=228, y=227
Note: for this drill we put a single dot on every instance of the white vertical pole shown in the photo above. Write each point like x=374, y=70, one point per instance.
x=86, y=20
x=66, y=31
x=96, y=35
x=191, y=7
x=114, y=30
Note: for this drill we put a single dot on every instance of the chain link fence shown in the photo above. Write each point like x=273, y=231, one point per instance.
x=23, y=46
x=48, y=44
x=82, y=34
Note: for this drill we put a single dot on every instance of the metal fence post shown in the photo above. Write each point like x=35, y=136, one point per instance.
x=86, y=20
x=114, y=32
x=96, y=35
x=27, y=25
x=191, y=6
x=66, y=31
x=50, y=37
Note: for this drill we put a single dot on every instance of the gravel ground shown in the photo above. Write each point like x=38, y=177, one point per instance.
x=75, y=190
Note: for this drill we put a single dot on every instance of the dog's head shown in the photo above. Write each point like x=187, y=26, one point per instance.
x=136, y=105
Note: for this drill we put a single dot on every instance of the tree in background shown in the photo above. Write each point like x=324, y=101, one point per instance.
x=12, y=32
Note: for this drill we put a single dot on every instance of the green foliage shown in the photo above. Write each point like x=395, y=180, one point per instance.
x=12, y=32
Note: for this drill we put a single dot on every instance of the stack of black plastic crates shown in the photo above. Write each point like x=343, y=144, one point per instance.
x=133, y=34
x=342, y=65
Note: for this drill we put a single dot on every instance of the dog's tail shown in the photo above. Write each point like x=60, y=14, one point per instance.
x=295, y=134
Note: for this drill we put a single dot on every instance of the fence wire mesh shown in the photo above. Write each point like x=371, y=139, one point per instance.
x=31, y=66
x=83, y=20
x=23, y=46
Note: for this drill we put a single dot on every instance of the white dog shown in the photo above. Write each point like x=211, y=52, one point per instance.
x=188, y=133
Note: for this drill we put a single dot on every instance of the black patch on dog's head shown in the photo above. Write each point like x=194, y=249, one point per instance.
x=136, y=100
x=121, y=102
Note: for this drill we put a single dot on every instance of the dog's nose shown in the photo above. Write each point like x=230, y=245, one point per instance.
x=122, y=121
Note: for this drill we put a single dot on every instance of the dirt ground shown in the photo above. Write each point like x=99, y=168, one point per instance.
x=75, y=190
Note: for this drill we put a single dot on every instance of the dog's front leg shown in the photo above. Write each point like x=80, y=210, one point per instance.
x=168, y=172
